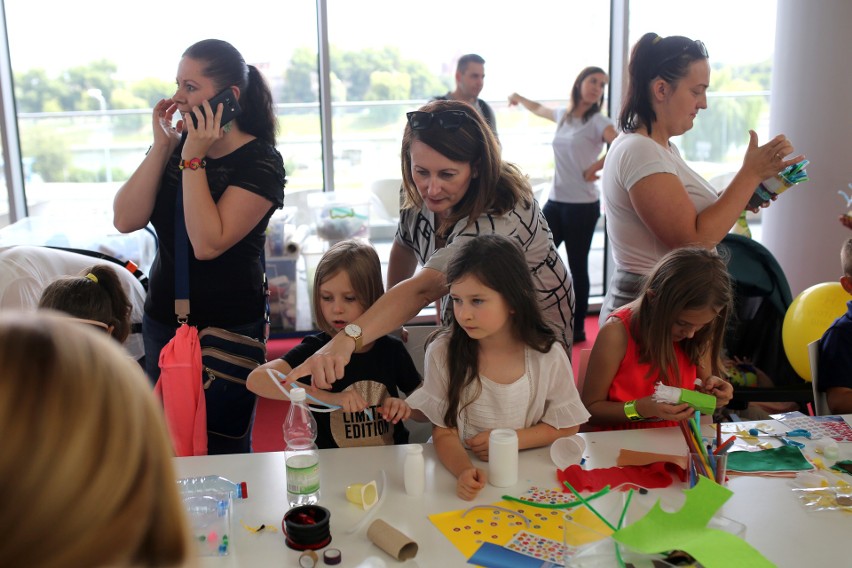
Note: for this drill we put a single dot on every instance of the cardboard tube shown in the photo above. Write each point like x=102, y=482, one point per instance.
x=391, y=540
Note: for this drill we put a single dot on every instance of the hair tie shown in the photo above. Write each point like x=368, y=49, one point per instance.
x=92, y=277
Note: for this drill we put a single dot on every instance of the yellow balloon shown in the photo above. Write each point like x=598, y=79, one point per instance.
x=807, y=318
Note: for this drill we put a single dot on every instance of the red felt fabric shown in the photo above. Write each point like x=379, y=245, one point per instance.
x=651, y=476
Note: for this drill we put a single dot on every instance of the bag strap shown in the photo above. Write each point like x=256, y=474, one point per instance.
x=181, y=259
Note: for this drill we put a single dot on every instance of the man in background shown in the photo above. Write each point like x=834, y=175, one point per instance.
x=470, y=78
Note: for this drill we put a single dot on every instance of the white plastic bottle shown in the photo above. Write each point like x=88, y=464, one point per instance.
x=208, y=484
x=301, y=455
x=414, y=471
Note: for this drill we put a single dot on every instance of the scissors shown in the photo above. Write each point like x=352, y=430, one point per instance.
x=785, y=438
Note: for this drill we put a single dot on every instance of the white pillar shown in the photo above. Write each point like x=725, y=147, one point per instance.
x=811, y=96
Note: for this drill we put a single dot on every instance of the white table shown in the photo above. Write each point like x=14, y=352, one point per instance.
x=777, y=525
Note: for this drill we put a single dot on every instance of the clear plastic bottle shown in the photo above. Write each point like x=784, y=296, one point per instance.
x=414, y=471
x=208, y=484
x=301, y=455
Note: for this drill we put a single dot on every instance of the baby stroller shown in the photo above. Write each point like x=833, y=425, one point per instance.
x=761, y=298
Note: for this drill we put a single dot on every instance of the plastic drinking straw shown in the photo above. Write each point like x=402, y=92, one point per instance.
x=587, y=504
x=624, y=511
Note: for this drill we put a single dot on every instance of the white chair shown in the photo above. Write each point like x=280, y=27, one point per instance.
x=820, y=402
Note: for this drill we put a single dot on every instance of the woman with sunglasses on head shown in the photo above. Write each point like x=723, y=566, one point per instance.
x=653, y=200
x=573, y=205
x=455, y=187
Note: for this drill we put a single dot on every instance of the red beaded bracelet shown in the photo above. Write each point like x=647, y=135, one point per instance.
x=192, y=164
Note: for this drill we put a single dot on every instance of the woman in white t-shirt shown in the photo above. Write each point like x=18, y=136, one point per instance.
x=573, y=205
x=653, y=201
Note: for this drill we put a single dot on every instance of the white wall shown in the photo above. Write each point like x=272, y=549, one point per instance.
x=811, y=96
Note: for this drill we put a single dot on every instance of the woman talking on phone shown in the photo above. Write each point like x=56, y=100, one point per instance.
x=231, y=178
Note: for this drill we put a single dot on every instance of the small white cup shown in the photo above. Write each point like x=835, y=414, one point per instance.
x=567, y=451
x=503, y=457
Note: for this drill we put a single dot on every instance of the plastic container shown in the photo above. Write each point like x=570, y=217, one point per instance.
x=211, y=484
x=301, y=455
x=210, y=518
x=414, y=471
x=503, y=457
x=339, y=216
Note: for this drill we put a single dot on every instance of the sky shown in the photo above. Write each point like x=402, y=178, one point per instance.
x=525, y=50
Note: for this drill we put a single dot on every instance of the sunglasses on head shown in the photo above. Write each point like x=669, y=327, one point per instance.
x=447, y=119
x=696, y=47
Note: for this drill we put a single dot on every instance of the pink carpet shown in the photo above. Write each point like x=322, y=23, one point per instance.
x=270, y=414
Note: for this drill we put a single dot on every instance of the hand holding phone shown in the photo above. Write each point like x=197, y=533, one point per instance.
x=230, y=110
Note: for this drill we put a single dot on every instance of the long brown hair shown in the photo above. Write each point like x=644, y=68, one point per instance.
x=576, y=95
x=498, y=185
x=689, y=278
x=499, y=264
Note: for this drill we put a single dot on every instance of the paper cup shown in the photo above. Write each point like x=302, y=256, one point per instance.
x=567, y=451
x=363, y=494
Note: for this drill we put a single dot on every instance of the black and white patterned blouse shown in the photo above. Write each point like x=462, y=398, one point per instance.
x=528, y=228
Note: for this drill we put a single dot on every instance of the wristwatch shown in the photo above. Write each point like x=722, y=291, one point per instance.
x=354, y=331
x=631, y=412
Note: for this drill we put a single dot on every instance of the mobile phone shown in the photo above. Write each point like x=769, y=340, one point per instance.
x=231, y=108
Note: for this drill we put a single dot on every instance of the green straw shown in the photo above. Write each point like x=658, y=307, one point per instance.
x=587, y=504
x=600, y=493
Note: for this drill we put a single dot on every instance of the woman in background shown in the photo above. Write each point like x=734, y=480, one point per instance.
x=573, y=205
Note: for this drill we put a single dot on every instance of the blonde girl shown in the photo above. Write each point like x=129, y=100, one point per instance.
x=85, y=453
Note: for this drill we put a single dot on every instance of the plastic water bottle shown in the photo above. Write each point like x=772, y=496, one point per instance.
x=301, y=455
x=208, y=484
x=413, y=471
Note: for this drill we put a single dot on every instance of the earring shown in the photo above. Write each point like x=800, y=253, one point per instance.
x=227, y=128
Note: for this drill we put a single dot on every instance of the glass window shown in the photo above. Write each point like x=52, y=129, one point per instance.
x=85, y=82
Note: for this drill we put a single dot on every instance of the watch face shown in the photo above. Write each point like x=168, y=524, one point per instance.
x=352, y=330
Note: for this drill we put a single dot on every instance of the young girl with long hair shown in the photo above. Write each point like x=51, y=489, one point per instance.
x=672, y=334
x=497, y=365
x=348, y=280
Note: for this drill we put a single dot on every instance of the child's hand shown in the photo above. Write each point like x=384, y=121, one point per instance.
x=349, y=400
x=650, y=408
x=479, y=444
x=470, y=483
x=720, y=388
x=394, y=409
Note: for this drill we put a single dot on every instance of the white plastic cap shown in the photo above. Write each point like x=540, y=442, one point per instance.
x=415, y=449
x=297, y=394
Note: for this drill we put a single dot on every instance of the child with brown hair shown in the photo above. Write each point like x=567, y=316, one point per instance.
x=672, y=333
x=95, y=297
x=348, y=280
x=497, y=365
